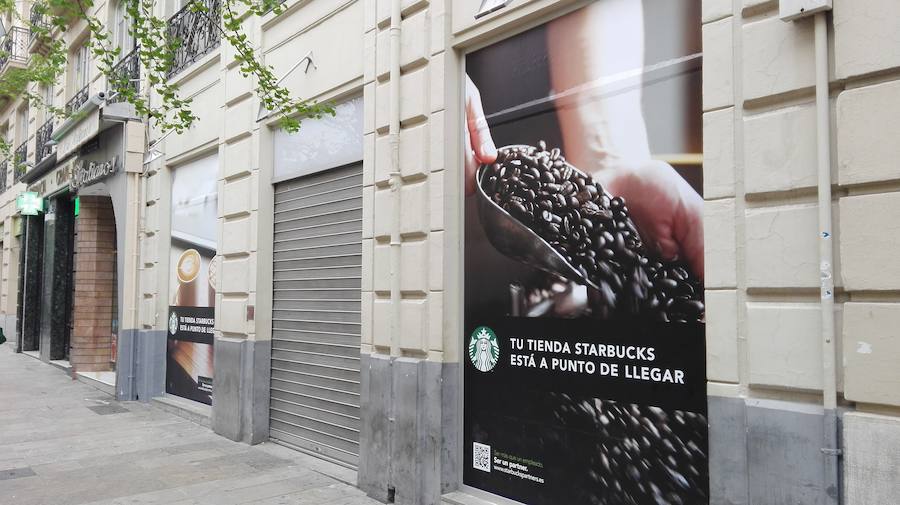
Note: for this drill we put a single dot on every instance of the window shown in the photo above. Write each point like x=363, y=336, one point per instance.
x=173, y=6
x=122, y=37
x=81, y=68
x=47, y=96
x=22, y=124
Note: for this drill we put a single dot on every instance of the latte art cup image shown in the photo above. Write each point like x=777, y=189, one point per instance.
x=187, y=270
x=211, y=273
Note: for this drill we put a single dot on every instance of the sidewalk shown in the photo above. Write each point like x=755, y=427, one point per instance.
x=62, y=442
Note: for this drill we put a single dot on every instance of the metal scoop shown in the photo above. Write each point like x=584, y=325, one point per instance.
x=512, y=238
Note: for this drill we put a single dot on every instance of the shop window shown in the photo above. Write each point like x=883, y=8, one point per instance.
x=192, y=284
x=321, y=143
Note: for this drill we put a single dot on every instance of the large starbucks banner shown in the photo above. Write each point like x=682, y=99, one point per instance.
x=585, y=377
x=192, y=283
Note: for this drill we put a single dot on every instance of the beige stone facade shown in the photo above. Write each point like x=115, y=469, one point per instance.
x=763, y=329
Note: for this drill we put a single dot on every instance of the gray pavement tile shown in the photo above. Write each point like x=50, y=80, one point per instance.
x=56, y=450
x=105, y=410
x=15, y=473
x=316, y=496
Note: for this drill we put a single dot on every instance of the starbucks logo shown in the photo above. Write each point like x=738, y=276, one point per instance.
x=173, y=323
x=484, y=350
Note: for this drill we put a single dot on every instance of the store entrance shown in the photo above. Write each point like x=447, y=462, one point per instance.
x=315, y=382
x=56, y=282
x=31, y=270
x=94, y=320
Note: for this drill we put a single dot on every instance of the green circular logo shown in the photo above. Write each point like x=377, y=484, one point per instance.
x=484, y=350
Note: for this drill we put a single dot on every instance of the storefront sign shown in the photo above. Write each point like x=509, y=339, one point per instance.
x=88, y=172
x=29, y=204
x=39, y=187
x=85, y=130
x=63, y=174
x=584, y=373
x=56, y=180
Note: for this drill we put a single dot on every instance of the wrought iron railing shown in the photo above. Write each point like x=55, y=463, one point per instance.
x=4, y=175
x=41, y=149
x=14, y=47
x=194, y=32
x=77, y=100
x=37, y=20
x=127, y=74
x=19, y=158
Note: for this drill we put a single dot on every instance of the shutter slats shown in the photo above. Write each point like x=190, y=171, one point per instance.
x=311, y=219
x=326, y=196
x=316, y=313
x=347, y=385
x=341, y=260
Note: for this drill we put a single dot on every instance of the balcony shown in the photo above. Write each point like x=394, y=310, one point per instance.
x=77, y=100
x=14, y=49
x=195, y=34
x=41, y=149
x=19, y=159
x=4, y=175
x=126, y=73
x=37, y=37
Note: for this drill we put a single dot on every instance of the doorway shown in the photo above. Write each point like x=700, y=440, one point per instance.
x=94, y=300
x=315, y=382
x=30, y=275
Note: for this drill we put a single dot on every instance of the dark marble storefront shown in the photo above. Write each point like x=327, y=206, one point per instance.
x=56, y=295
x=46, y=281
x=30, y=285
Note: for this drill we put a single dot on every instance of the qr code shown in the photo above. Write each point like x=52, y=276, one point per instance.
x=481, y=457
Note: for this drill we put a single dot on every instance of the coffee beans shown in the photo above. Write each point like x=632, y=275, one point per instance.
x=593, y=231
x=637, y=453
x=608, y=452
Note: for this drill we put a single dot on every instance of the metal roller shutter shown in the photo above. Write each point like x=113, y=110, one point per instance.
x=316, y=313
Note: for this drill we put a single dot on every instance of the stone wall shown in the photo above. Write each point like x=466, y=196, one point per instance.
x=763, y=332
x=402, y=372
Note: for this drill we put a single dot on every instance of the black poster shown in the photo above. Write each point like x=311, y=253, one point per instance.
x=584, y=336
x=190, y=346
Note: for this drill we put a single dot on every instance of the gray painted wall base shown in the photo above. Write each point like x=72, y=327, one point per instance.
x=872, y=459
x=727, y=451
x=408, y=436
x=126, y=364
x=765, y=451
x=141, y=365
x=240, y=409
x=9, y=322
x=450, y=410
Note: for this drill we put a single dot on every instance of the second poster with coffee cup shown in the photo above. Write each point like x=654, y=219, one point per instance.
x=192, y=284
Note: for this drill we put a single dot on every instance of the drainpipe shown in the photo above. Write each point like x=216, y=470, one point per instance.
x=395, y=183
x=831, y=449
x=136, y=277
x=394, y=138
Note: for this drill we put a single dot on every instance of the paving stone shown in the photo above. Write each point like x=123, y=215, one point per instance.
x=15, y=473
x=105, y=410
x=62, y=442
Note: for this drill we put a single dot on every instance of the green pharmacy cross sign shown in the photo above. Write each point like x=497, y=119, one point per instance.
x=29, y=203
